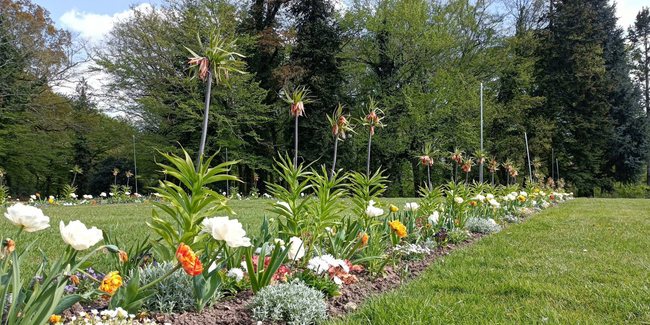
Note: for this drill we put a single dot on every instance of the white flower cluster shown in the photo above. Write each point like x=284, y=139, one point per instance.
x=87, y=196
x=236, y=273
x=320, y=264
x=118, y=316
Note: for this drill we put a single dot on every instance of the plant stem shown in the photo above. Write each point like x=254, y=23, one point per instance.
x=368, y=164
x=336, y=145
x=492, y=179
x=206, y=114
x=295, y=149
x=429, y=175
x=74, y=178
x=456, y=174
x=178, y=266
x=466, y=177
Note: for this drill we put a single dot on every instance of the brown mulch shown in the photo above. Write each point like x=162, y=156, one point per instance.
x=232, y=311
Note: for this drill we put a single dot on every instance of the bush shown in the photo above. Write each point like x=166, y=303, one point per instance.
x=173, y=294
x=294, y=303
x=482, y=226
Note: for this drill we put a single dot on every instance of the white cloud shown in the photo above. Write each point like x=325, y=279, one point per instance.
x=626, y=11
x=94, y=26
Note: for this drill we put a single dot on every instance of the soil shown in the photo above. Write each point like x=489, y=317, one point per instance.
x=232, y=311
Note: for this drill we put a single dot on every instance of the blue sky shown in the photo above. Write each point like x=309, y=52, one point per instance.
x=93, y=18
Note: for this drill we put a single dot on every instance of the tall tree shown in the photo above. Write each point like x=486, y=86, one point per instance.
x=572, y=76
x=639, y=37
x=315, y=55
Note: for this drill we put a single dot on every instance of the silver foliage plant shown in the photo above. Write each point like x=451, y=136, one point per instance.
x=173, y=294
x=293, y=303
x=482, y=226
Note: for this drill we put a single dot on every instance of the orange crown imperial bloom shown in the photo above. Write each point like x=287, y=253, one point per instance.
x=55, y=319
x=188, y=260
x=472, y=203
x=364, y=239
x=297, y=108
x=398, y=227
x=111, y=282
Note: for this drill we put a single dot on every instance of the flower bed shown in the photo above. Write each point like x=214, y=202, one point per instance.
x=308, y=246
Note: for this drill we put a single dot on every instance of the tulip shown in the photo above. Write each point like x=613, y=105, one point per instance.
x=372, y=211
x=191, y=264
x=230, y=231
x=78, y=236
x=434, y=218
x=458, y=200
x=111, y=282
x=411, y=206
x=398, y=227
x=296, y=248
x=28, y=217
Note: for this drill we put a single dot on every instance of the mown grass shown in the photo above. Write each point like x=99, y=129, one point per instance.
x=584, y=262
x=127, y=222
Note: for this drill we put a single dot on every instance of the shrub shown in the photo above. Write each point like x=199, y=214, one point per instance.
x=510, y=218
x=173, y=294
x=482, y=226
x=294, y=303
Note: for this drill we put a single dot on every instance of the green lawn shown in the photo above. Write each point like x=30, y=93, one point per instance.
x=584, y=262
x=127, y=221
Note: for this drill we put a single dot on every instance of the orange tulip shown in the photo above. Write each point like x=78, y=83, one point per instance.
x=191, y=264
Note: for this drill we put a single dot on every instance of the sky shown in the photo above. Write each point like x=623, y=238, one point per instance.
x=95, y=18
x=92, y=19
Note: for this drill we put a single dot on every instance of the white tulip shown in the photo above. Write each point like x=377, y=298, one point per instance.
x=494, y=203
x=489, y=196
x=28, y=217
x=78, y=236
x=102, y=194
x=411, y=206
x=524, y=194
x=230, y=231
x=372, y=211
x=433, y=219
x=459, y=200
x=296, y=248
x=479, y=197
x=33, y=197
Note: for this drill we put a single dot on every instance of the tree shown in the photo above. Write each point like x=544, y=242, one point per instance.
x=147, y=58
x=573, y=79
x=639, y=37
